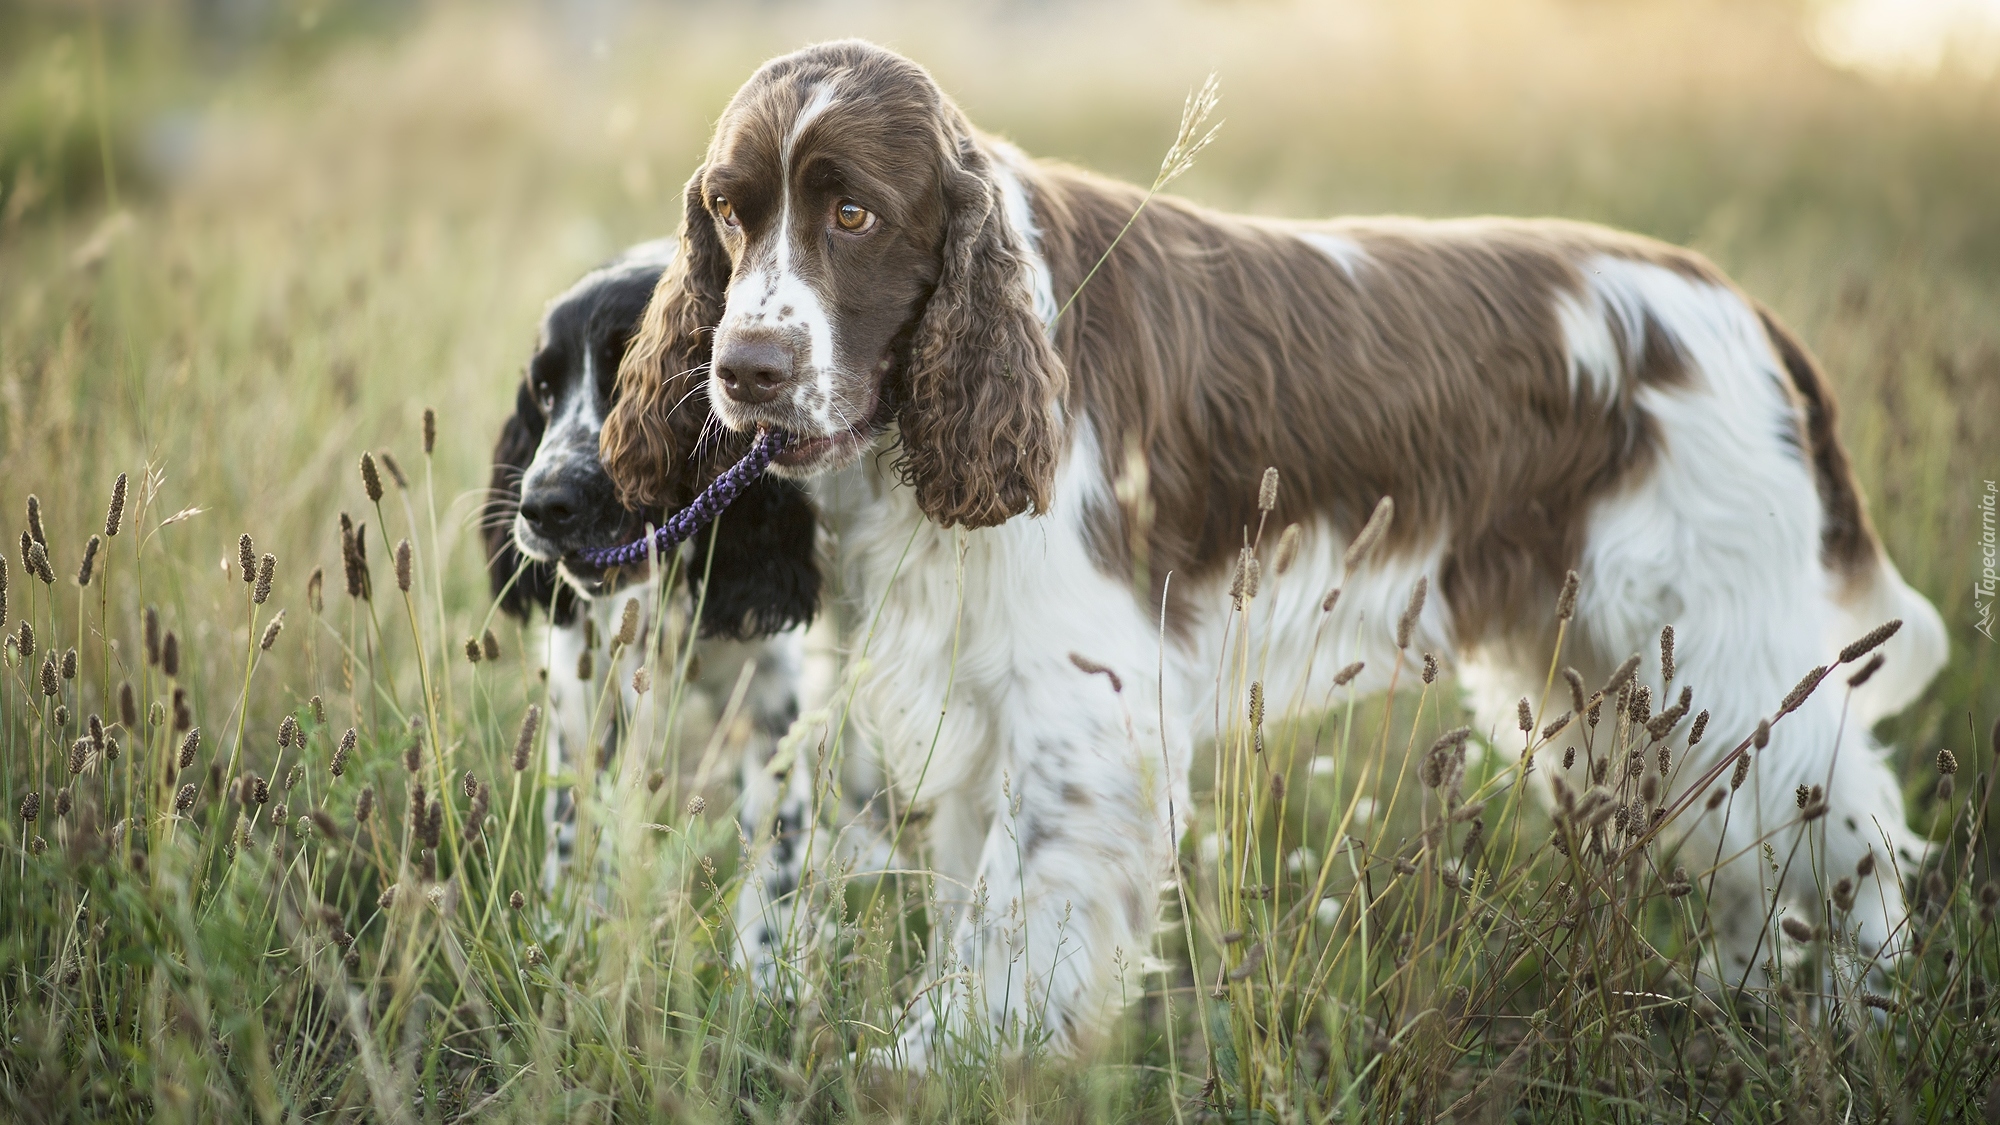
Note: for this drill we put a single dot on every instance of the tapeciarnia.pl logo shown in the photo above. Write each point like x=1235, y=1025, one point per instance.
x=1987, y=586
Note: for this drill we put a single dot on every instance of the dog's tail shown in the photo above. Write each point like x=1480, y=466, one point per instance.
x=1866, y=588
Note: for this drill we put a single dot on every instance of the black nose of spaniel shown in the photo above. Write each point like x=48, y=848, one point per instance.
x=554, y=507
x=754, y=370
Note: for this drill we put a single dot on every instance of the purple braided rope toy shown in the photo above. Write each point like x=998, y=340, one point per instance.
x=682, y=525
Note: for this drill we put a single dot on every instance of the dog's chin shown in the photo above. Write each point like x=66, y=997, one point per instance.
x=585, y=578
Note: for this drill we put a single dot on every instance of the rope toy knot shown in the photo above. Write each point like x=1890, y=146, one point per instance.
x=682, y=525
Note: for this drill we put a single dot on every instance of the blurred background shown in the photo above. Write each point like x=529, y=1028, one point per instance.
x=241, y=241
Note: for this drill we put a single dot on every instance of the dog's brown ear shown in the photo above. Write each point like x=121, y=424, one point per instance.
x=662, y=382
x=981, y=426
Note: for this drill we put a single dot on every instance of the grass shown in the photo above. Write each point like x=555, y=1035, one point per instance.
x=314, y=228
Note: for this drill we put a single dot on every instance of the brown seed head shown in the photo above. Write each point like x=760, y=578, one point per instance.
x=89, y=562
x=1866, y=672
x=585, y=666
x=293, y=775
x=1796, y=930
x=79, y=753
x=403, y=567
x=1566, y=597
x=323, y=821
x=524, y=745
x=1332, y=599
x=271, y=632
x=430, y=430
x=288, y=733
x=1556, y=725
x=696, y=805
x=1667, y=655
x=184, y=800
x=1574, y=679
x=491, y=645
x=1947, y=762
x=395, y=470
x=628, y=624
x=1741, y=771
x=1430, y=668
x=190, y=743
x=170, y=654
x=371, y=481
x=472, y=652
x=517, y=900
x=642, y=679
x=1370, y=534
x=246, y=558
x=1716, y=797
x=364, y=804
x=62, y=801
x=413, y=757
x=318, y=712
x=1346, y=675
x=1843, y=894
x=115, y=517
x=341, y=752
x=51, y=680
x=69, y=665
x=152, y=635
x=654, y=780
x=1524, y=716
x=1866, y=867
x=128, y=706
x=1622, y=676
x=1267, y=490
x=1257, y=703
x=35, y=520
x=1869, y=642
x=1700, y=728
x=1803, y=689
x=1288, y=550
x=1406, y=624
x=1639, y=707
x=266, y=569
x=260, y=790
x=31, y=806
x=1762, y=737
x=26, y=642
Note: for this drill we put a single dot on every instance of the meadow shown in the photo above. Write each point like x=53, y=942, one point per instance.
x=267, y=854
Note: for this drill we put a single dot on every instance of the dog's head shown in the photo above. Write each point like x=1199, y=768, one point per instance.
x=847, y=263
x=552, y=499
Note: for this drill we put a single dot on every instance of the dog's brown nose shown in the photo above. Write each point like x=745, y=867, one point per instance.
x=755, y=369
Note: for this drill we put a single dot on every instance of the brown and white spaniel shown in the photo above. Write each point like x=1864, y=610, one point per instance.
x=1012, y=482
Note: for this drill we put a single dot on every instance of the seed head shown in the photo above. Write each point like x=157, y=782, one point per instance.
x=517, y=900
x=1556, y=725
x=281, y=814
x=654, y=780
x=1243, y=585
x=1408, y=622
x=69, y=665
x=1762, y=738
x=292, y=777
x=271, y=631
x=430, y=430
x=1947, y=763
x=38, y=563
x=1700, y=727
x=1667, y=655
x=403, y=565
x=1803, y=689
x=491, y=644
x=472, y=652
x=260, y=790
x=288, y=733
x=170, y=655
x=371, y=481
x=696, y=805
x=1622, y=676
x=79, y=751
x=395, y=471
x=1370, y=534
x=1649, y=788
x=642, y=679
x=585, y=666
x=413, y=756
x=525, y=744
x=1566, y=597
x=31, y=806
x=1288, y=550
x=1267, y=490
x=1525, y=715
x=318, y=713
x=1866, y=672
x=128, y=706
x=152, y=636
x=115, y=517
x=1843, y=894
x=1802, y=795
x=1666, y=759
x=434, y=823
x=61, y=716
x=246, y=558
x=341, y=752
x=3, y=590
x=1346, y=675
x=535, y=956
x=1257, y=703
x=1866, y=867
x=1716, y=797
x=1741, y=771
x=323, y=821
x=316, y=590
x=89, y=562
x=1796, y=930
x=35, y=520
x=364, y=804
x=1869, y=642
x=95, y=726
x=51, y=681
x=190, y=743
x=266, y=568
x=1430, y=668
x=184, y=800
x=1332, y=598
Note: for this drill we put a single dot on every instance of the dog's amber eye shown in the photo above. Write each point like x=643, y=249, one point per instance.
x=723, y=210
x=853, y=217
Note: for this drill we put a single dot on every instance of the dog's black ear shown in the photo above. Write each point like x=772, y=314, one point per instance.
x=538, y=584
x=761, y=576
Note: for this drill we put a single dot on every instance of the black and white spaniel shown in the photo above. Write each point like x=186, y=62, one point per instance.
x=552, y=500
x=1011, y=482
